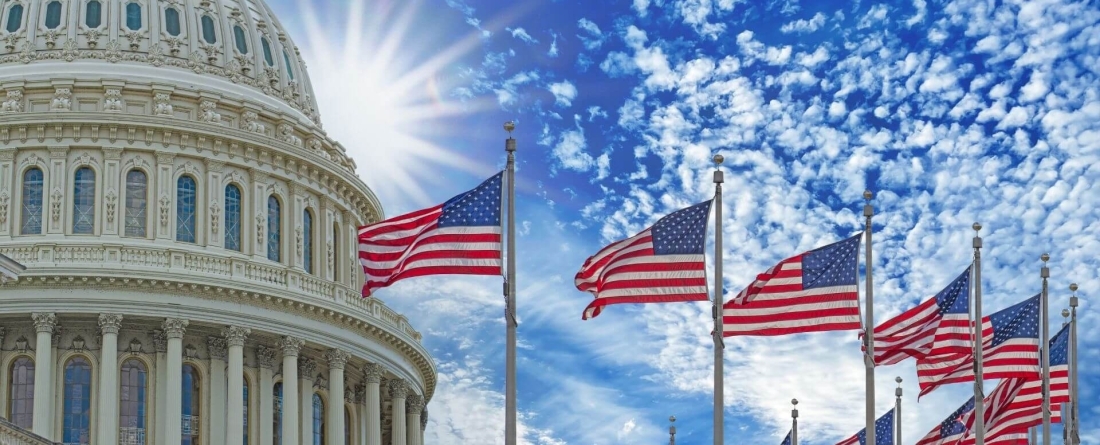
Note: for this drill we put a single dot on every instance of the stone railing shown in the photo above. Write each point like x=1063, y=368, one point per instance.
x=13, y=435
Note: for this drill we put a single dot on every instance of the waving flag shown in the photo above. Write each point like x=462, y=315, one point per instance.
x=951, y=430
x=787, y=440
x=810, y=292
x=1010, y=349
x=460, y=236
x=884, y=432
x=662, y=264
x=938, y=326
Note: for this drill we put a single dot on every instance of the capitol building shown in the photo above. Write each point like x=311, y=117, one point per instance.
x=189, y=237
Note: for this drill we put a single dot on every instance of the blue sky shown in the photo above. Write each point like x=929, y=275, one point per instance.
x=952, y=111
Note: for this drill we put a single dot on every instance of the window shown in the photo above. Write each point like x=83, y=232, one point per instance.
x=239, y=38
x=93, y=16
x=192, y=400
x=131, y=413
x=84, y=201
x=267, y=51
x=53, y=15
x=208, y=33
x=245, y=412
x=133, y=16
x=172, y=21
x=32, y=201
x=15, y=18
x=233, y=217
x=21, y=410
x=274, y=229
x=136, y=202
x=76, y=413
x=278, y=420
x=318, y=420
x=185, y=209
x=307, y=241
x=289, y=70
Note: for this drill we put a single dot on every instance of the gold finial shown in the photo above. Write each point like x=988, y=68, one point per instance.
x=509, y=126
x=671, y=418
x=977, y=227
x=867, y=195
x=1045, y=257
x=1065, y=313
x=718, y=159
x=1073, y=287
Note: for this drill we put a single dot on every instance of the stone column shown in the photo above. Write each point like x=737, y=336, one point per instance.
x=173, y=412
x=160, y=343
x=42, y=418
x=372, y=373
x=291, y=347
x=334, y=415
x=361, y=414
x=108, y=378
x=398, y=391
x=306, y=368
x=265, y=357
x=235, y=337
x=218, y=352
x=413, y=405
x=423, y=421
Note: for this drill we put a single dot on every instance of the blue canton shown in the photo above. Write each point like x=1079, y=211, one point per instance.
x=477, y=207
x=683, y=232
x=834, y=265
x=951, y=426
x=884, y=430
x=787, y=441
x=1059, y=347
x=1019, y=321
x=955, y=298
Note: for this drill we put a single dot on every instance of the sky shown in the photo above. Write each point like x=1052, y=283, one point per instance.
x=950, y=111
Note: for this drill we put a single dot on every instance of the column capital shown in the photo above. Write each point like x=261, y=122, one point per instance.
x=414, y=404
x=174, y=327
x=372, y=372
x=306, y=367
x=160, y=341
x=235, y=335
x=265, y=357
x=44, y=322
x=337, y=358
x=217, y=348
x=398, y=388
x=110, y=323
x=291, y=346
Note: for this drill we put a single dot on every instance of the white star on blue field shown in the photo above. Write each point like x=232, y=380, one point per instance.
x=951, y=111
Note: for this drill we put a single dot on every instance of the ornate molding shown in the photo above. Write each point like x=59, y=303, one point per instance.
x=160, y=341
x=217, y=348
x=62, y=100
x=163, y=105
x=236, y=335
x=14, y=102
x=111, y=199
x=372, y=372
x=424, y=418
x=265, y=357
x=291, y=346
x=208, y=112
x=110, y=323
x=44, y=322
x=399, y=389
x=112, y=100
x=306, y=367
x=414, y=404
x=250, y=122
x=336, y=358
x=174, y=327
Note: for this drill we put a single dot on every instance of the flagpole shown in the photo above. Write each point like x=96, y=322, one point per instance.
x=671, y=430
x=510, y=293
x=794, y=422
x=979, y=396
x=869, y=326
x=1045, y=273
x=1034, y=440
x=897, y=412
x=719, y=385
x=1066, y=408
x=1075, y=433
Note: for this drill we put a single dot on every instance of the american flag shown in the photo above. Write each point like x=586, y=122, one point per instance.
x=460, y=236
x=810, y=292
x=884, y=432
x=938, y=326
x=787, y=440
x=662, y=264
x=1010, y=349
x=951, y=430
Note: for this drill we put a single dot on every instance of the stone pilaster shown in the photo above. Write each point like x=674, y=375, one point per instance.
x=173, y=330
x=291, y=347
x=235, y=337
x=109, y=324
x=42, y=417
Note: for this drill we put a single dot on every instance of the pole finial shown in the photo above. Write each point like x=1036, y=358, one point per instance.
x=1065, y=313
x=867, y=195
x=718, y=160
x=794, y=402
x=977, y=227
x=1045, y=257
x=509, y=126
x=1073, y=287
x=898, y=379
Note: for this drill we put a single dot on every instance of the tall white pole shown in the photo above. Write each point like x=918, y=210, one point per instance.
x=1045, y=273
x=671, y=430
x=510, y=292
x=869, y=325
x=1075, y=433
x=1064, y=408
x=979, y=393
x=794, y=422
x=719, y=345
x=897, y=412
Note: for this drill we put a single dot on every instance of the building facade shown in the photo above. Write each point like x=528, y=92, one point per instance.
x=189, y=237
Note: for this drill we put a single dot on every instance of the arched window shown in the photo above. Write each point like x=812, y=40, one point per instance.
x=185, y=209
x=76, y=414
x=245, y=412
x=172, y=21
x=318, y=420
x=32, y=201
x=53, y=14
x=15, y=18
x=132, y=397
x=274, y=229
x=192, y=400
x=21, y=410
x=289, y=70
x=208, y=32
x=267, y=51
x=84, y=201
x=136, y=202
x=277, y=422
x=307, y=241
x=93, y=14
x=133, y=16
x=239, y=38
x=233, y=217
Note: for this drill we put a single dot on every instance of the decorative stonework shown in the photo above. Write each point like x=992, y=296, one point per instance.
x=286, y=134
x=163, y=105
x=165, y=203
x=160, y=341
x=209, y=113
x=337, y=358
x=112, y=101
x=414, y=404
x=110, y=323
x=174, y=327
x=306, y=367
x=250, y=122
x=372, y=372
x=217, y=348
x=215, y=216
x=265, y=357
x=44, y=322
x=261, y=221
x=398, y=388
x=424, y=419
x=92, y=35
x=62, y=100
x=290, y=346
x=320, y=382
x=55, y=205
x=298, y=241
x=111, y=199
x=4, y=200
x=236, y=335
x=13, y=103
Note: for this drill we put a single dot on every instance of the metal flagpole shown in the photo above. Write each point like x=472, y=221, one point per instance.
x=719, y=345
x=1065, y=408
x=897, y=412
x=869, y=326
x=794, y=422
x=979, y=394
x=1045, y=273
x=510, y=293
x=1034, y=440
x=1075, y=433
x=671, y=430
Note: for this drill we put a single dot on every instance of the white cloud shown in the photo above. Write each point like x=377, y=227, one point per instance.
x=571, y=150
x=591, y=35
x=553, y=51
x=521, y=34
x=803, y=26
x=564, y=92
